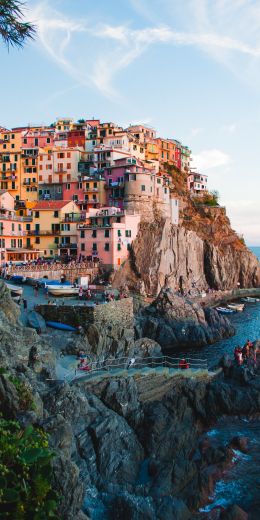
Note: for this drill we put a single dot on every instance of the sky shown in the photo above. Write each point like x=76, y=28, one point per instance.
x=189, y=68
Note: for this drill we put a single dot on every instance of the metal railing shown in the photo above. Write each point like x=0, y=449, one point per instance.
x=137, y=363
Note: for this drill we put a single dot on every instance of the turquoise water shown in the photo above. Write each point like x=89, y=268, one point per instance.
x=256, y=251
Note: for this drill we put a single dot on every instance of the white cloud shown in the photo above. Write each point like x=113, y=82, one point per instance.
x=208, y=159
x=113, y=48
x=230, y=129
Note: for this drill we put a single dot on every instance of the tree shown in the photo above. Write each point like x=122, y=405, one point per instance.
x=13, y=29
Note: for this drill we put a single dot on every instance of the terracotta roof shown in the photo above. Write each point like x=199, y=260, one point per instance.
x=51, y=204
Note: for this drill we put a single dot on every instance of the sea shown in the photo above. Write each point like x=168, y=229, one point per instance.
x=240, y=484
x=256, y=251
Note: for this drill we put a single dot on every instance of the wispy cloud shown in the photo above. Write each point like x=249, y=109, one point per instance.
x=114, y=48
x=208, y=159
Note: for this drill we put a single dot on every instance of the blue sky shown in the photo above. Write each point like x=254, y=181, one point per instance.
x=191, y=69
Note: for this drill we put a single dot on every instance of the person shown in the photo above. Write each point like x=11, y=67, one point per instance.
x=36, y=289
x=131, y=362
x=246, y=349
x=24, y=304
x=46, y=291
x=183, y=364
x=80, y=293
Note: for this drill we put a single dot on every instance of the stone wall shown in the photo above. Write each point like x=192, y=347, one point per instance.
x=71, y=273
x=118, y=313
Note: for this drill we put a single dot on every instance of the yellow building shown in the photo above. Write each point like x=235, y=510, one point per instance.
x=54, y=225
x=151, y=152
x=94, y=192
x=10, y=161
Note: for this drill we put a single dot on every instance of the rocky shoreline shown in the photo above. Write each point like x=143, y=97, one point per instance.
x=129, y=447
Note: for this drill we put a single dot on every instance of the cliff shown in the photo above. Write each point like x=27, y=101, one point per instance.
x=200, y=253
x=125, y=447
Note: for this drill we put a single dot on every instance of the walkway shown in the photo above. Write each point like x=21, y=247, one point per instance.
x=137, y=367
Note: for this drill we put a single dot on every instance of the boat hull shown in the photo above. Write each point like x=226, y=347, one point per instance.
x=15, y=290
x=60, y=326
x=62, y=290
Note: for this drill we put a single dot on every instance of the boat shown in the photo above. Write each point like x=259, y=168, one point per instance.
x=62, y=290
x=15, y=289
x=239, y=307
x=248, y=299
x=60, y=326
x=36, y=321
x=224, y=310
x=18, y=278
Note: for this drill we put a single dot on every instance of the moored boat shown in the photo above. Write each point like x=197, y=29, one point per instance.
x=62, y=290
x=224, y=310
x=239, y=307
x=15, y=289
x=60, y=326
x=249, y=299
x=17, y=278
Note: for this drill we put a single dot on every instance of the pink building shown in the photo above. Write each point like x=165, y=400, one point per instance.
x=107, y=235
x=37, y=138
x=197, y=182
x=115, y=178
x=13, y=232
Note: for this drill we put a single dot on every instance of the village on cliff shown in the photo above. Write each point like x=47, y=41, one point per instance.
x=78, y=190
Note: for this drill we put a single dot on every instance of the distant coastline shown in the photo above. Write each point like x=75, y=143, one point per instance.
x=255, y=250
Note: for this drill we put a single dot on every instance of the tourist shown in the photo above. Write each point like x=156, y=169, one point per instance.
x=25, y=304
x=131, y=362
x=80, y=292
x=183, y=364
x=36, y=289
x=46, y=291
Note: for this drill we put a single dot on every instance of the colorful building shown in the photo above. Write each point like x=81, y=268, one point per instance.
x=106, y=235
x=50, y=230
x=197, y=183
x=12, y=233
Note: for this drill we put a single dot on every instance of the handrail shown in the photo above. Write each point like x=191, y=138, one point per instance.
x=126, y=363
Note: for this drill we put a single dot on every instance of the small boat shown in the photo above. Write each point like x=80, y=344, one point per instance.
x=62, y=290
x=239, y=307
x=36, y=321
x=248, y=299
x=15, y=290
x=224, y=310
x=18, y=278
x=60, y=326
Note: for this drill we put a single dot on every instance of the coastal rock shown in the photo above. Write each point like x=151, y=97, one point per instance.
x=234, y=512
x=240, y=443
x=203, y=252
x=173, y=321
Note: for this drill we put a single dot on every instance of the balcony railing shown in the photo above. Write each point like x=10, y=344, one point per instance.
x=75, y=218
x=43, y=232
x=64, y=245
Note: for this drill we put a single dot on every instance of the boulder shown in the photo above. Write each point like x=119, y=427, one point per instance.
x=234, y=512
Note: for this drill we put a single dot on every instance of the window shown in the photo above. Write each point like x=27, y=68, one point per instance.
x=68, y=166
x=106, y=246
x=12, y=136
x=107, y=233
x=56, y=240
x=82, y=247
x=158, y=181
x=128, y=233
x=25, y=141
x=82, y=233
x=128, y=247
x=36, y=142
x=119, y=247
x=12, y=227
x=94, y=246
x=56, y=214
x=48, y=140
x=143, y=187
x=165, y=190
x=68, y=155
x=67, y=186
x=16, y=158
x=13, y=185
x=37, y=240
x=12, y=145
x=94, y=233
x=119, y=233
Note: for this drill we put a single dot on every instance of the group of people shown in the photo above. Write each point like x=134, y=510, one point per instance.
x=245, y=354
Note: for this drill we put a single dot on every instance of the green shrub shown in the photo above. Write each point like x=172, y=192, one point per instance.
x=25, y=473
x=24, y=393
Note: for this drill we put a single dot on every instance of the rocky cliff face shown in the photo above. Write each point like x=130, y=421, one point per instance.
x=173, y=321
x=199, y=253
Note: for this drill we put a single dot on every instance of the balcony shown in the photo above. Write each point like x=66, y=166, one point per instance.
x=64, y=245
x=74, y=218
x=40, y=232
x=56, y=170
x=89, y=190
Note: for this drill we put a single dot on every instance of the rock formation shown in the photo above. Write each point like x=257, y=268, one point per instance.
x=203, y=252
x=173, y=321
x=129, y=447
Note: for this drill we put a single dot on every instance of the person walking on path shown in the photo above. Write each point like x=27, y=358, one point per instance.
x=25, y=304
x=36, y=289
